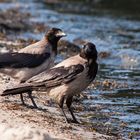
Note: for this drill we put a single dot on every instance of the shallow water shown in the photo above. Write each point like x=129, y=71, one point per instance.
x=117, y=35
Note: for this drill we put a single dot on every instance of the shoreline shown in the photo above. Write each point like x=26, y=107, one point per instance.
x=46, y=119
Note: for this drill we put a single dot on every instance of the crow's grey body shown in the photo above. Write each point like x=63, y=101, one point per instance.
x=33, y=59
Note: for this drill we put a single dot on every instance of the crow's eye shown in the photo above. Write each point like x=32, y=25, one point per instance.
x=84, y=46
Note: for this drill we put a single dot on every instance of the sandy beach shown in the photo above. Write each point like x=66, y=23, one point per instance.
x=46, y=122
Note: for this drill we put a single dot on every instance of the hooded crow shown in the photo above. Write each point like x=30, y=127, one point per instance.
x=31, y=60
x=64, y=80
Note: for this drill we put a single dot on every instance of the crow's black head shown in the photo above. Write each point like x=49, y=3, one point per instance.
x=89, y=51
x=54, y=34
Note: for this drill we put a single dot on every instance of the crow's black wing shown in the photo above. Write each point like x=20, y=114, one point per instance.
x=57, y=76
x=54, y=77
x=20, y=60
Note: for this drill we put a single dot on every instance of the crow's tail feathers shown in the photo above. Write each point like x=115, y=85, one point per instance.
x=17, y=90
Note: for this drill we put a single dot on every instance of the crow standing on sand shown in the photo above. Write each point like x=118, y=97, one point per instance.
x=64, y=80
x=31, y=60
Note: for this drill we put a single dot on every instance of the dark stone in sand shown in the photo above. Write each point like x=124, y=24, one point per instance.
x=68, y=48
x=13, y=20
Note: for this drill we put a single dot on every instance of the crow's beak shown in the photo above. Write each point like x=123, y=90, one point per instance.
x=60, y=34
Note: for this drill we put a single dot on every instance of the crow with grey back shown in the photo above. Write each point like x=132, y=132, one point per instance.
x=31, y=60
x=66, y=79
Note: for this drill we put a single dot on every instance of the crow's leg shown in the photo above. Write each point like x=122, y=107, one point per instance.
x=22, y=100
x=31, y=97
x=68, y=103
x=21, y=95
x=61, y=103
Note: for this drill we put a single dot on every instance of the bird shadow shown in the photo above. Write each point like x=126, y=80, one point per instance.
x=36, y=108
x=25, y=105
